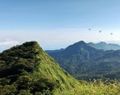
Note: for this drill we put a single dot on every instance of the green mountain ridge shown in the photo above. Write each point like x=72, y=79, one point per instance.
x=26, y=65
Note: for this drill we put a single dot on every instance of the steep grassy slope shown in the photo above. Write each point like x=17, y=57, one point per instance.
x=30, y=64
x=49, y=69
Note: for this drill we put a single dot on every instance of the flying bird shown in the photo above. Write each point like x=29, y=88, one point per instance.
x=89, y=29
x=111, y=33
x=100, y=31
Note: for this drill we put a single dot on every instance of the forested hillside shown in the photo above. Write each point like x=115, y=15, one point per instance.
x=88, y=63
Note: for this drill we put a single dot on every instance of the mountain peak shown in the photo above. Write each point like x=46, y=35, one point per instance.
x=77, y=46
x=80, y=43
x=32, y=43
x=30, y=47
x=102, y=43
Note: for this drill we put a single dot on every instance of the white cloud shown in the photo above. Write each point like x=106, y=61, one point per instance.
x=7, y=44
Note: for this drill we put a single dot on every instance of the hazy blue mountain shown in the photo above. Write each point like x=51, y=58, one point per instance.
x=105, y=46
x=86, y=62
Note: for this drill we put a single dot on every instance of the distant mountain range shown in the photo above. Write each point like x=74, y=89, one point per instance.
x=85, y=61
x=105, y=46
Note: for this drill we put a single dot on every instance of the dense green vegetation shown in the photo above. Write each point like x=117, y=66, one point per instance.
x=88, y=63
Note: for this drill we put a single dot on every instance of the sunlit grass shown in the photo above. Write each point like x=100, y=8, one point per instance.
x=95, y=88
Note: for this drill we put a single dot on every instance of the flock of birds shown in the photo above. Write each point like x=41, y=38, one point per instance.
x=100, y=31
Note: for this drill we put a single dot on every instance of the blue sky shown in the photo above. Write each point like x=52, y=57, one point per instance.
x=58, y=23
